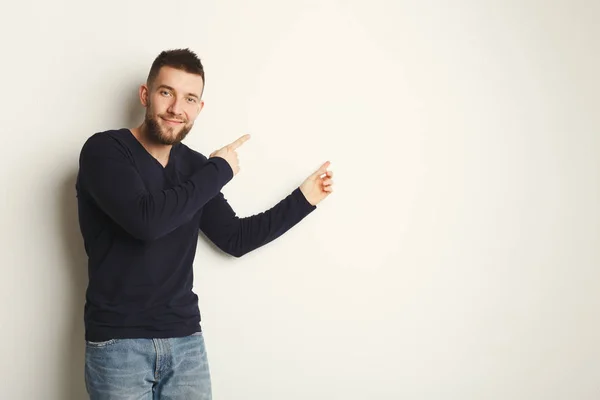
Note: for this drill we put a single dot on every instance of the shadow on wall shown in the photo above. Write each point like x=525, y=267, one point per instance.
x=133, y=110
x=71, y=365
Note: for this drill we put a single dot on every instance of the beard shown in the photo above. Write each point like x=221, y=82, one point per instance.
x=164, y=135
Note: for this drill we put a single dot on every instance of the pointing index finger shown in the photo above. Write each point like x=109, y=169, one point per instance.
x=322, y=169
x=235, y=145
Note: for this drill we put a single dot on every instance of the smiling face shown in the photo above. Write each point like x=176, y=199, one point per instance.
x=172, y=102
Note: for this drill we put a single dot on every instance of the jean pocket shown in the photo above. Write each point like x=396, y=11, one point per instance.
x=100, y=344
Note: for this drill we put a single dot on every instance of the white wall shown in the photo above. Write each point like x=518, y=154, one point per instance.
x=459, y=256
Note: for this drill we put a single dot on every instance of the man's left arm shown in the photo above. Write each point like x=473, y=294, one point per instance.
x=238, y=236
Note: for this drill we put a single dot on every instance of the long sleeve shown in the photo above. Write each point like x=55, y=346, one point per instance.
x=238, y=236
x=109, y=175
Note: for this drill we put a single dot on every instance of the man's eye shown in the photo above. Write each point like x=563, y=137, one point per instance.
x=164, y=92
x=191, y=99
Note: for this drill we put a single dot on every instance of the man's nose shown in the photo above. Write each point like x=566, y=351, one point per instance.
x=175, y=107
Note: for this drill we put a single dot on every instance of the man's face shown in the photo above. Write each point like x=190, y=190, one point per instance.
x=172, y=104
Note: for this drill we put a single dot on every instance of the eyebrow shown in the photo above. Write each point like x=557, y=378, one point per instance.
x=173, y=90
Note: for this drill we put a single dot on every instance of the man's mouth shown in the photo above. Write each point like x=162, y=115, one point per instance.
x=172, y=121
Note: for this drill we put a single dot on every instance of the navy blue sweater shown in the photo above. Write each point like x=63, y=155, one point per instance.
x=140, y=223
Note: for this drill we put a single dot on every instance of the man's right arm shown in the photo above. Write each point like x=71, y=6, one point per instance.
x=108, y=175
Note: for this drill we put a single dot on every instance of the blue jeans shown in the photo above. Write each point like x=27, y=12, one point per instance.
x=148, y=369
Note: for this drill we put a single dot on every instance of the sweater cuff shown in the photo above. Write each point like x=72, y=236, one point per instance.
x=225, y=170
x=303, y=203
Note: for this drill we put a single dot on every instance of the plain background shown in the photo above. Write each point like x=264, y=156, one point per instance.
x=459, y=255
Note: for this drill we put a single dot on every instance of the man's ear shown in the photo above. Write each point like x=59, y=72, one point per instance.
x=144, y=93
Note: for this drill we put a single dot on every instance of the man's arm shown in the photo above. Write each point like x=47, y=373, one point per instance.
x=238, y=236
x=108, y=175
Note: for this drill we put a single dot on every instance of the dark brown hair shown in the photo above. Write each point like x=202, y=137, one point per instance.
x=183, y=59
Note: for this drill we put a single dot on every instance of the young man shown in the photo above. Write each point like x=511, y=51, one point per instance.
x=143, y=196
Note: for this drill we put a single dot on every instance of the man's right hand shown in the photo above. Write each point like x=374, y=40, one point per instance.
x=229, y=153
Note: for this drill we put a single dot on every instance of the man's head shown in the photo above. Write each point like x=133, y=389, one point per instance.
x=172, y=95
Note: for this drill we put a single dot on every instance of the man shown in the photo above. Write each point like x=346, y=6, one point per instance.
x=143, y=196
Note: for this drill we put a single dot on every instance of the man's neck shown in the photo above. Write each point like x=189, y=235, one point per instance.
x=157, y=150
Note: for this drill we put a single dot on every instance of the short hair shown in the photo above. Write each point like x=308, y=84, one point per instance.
x=182, y=59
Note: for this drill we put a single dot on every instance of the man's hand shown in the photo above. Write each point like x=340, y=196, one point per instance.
x=229, y=153
x=318, y=186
